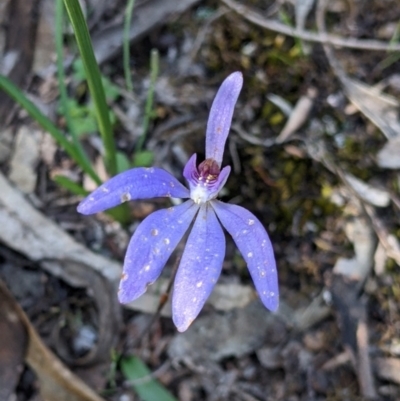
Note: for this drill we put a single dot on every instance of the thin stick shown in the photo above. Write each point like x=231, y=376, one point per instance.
x=154, y=69
x=126, y=45
x=334, y=40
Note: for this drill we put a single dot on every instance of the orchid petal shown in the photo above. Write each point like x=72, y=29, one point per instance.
x=137, y=183
x=199, y=269
x=220, y=119
x=151, y=246
x=203, y=190
x=256, y=248
x=190, y=169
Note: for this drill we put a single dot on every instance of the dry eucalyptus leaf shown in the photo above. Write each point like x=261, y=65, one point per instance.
x=57, y=382
x=362, y=236
x=25, y=159
x=298, y=116
x=285, y=106
x=380, y=259
x=389, y=155
x=380, y=108
x=374, y=196
x=302, y=9
x=388, y=369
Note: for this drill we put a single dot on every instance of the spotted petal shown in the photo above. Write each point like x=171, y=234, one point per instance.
x=151, y=246
x=255, y=246
x=199, y=269
x=220, y=119
x=137, y=183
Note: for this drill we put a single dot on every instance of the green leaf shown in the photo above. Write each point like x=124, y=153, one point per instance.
x=78, y=70
x=120, y=213
x=85, y=125
x=112, y=91
x=143, y=159
x=70, y=185
x=126, y=44
x=146, y=387
x=93, y=76
x=123, y=163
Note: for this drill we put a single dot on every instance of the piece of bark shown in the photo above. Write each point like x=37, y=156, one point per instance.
x=57, y=382
x=13, y=344
x=19, y=48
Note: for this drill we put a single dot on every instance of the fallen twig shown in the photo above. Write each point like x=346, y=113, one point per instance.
x=322, y=37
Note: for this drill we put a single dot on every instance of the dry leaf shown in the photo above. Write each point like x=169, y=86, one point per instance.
x=388, y=369
x=374, y=196
x=298, y=116
x=380, y=108
x=362, y=236
x=302, y=9
x=389, y=155
x=57, y=382
x=25, y=159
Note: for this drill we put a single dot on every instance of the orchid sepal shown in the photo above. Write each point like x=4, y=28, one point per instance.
x=136, y=183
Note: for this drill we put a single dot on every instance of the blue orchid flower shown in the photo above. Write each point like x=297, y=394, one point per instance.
x=158, y=235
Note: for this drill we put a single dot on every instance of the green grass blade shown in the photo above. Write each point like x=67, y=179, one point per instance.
x=70, y=185
x=140, y=378
x=126, y=45
x=154, y=69
x=94, y=81
x=59, y=20
x=60, y=68
x=47, y=125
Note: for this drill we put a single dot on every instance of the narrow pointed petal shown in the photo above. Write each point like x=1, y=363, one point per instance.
x=137, y=183
x=220, y=119
x=199, y=269
x=151, y=246
x=256, y=248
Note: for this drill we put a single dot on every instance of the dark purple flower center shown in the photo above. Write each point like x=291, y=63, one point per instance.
x=208, y=170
